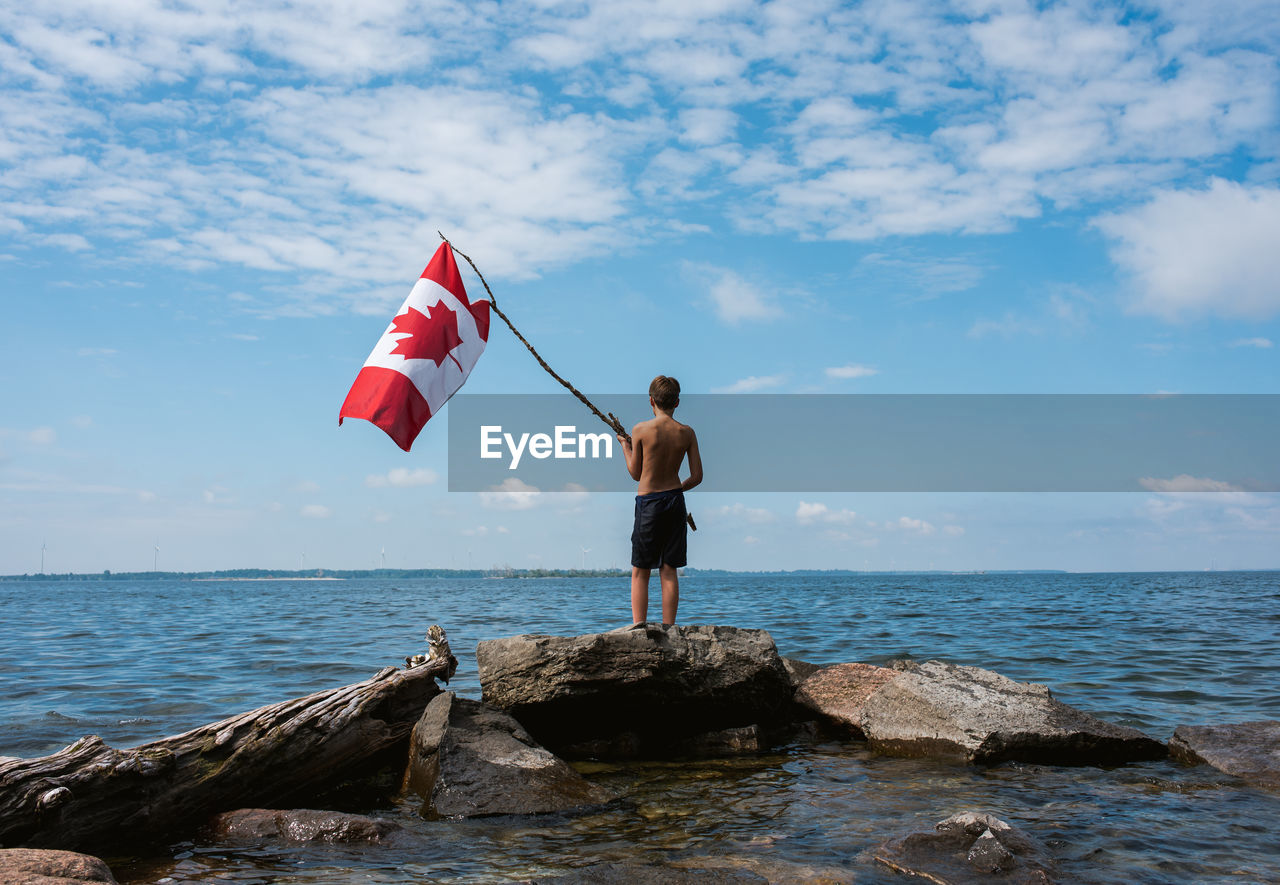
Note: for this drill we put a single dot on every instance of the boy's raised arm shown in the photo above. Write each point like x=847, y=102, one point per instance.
x=695, y=463
x=633, y=454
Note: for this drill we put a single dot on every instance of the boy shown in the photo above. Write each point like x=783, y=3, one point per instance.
x=659, y=537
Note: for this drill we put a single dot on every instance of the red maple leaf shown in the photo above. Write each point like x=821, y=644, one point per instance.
x=431, y=336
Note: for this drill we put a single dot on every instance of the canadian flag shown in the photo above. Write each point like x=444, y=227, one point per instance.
x=424, y=356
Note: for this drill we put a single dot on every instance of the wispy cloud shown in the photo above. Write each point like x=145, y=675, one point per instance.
x=739, y=510
x=402, y=478
x=733, y=299
x=852, y=370
x=1260, y=343
x=305, y=148
x=511, y=494
x=1009, y=326
x=315, y=511
x=809, y=512
x=752, y=384
x=1186, y=483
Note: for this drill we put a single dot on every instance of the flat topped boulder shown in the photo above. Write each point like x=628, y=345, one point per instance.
x=468, y=759
x=838, y=693
x=659, y=685
x=975, y=715
x=1248, y=750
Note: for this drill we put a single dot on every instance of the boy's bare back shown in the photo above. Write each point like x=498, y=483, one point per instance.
x=661, y=445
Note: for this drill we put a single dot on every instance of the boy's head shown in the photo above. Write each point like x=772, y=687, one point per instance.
x=665, y=393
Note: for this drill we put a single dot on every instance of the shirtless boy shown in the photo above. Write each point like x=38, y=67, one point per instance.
x=659, y=537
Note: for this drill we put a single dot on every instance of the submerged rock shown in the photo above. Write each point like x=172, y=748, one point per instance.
x=1248, y=750
x=649, y=874
x=838, y=693
x=662, y=685
x=468, y=759
x=773, y=869
x=38, y=866
x=726, y=742
x=301, y=825
x=968, y=847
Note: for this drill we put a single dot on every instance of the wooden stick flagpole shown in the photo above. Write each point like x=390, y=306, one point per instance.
x=611, y=420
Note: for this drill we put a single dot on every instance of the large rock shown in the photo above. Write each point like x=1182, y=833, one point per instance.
x=1248, y=750
x=968, y=848
x=301, y=825
x=949, y=710
x=36, y=866
x=468, y=759
x=661, y=685
x=838, y=693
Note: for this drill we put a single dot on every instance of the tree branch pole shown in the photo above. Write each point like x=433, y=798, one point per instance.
x=611, y=420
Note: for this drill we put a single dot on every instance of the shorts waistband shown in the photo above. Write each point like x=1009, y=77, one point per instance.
x=658, y=496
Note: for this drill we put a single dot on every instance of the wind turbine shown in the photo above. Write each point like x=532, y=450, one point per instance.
x=155, y=562
x=585, y=551
x=384, y=557
x=43, y=547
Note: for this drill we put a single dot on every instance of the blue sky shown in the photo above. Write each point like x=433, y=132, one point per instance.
x=210, y=213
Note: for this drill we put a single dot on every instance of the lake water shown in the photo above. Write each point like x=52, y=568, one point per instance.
x=135, y=662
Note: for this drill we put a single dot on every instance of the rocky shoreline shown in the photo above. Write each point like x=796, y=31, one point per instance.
x=644, y=692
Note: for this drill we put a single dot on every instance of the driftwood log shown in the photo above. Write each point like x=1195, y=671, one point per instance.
x=90, y=795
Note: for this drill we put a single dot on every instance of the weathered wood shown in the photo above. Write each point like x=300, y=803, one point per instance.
x=90, y=794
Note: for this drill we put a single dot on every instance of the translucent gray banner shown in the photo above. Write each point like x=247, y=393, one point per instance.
x=883, y=443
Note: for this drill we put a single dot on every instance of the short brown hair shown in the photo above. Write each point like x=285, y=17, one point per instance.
x=665, y=393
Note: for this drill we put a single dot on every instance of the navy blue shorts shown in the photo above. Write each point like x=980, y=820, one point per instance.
x=660, y=536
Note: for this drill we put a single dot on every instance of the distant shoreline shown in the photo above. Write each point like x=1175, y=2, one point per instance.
x=243, y=575
x=313, y=578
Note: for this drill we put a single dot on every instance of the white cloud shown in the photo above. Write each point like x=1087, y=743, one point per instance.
x=733, y=299
x=1196, y=252
x=316, y=511
x=852, y=370
x=911, y=524
x=310, y=147
x=707, y=125
x=739, y=510
x=42, y=436
x=510, y=494
x=808, y=513
x=750, y=539
x=953, y=531
x=402, y=478
x=1261, y=343
x=752, y=384
x=1008, y=326
x=1185, y=483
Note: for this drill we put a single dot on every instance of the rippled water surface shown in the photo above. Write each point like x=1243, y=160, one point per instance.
x=134, y=662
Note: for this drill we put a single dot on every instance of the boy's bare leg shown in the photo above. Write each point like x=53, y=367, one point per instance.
x=670, y=579
x=639, y=595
